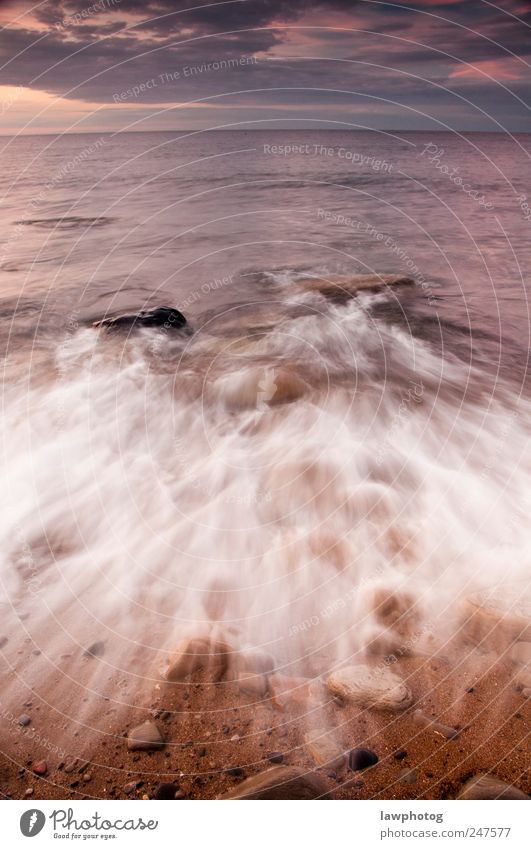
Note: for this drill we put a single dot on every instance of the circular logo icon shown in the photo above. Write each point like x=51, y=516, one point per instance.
x=31, y=822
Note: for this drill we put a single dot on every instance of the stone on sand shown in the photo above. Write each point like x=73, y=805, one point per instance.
x=498, y=617
x=253, y=685
x=199, y=654
x=281, y=782
x=324, y=749
x=361, y=685
x=489, y=787
x=145, y=737
x=446, y=731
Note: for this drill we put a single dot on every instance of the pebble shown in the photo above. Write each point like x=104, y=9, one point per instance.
x=95, y=649
x=281, y=782
x=29, y=792
x=362, y=685
x=446, y=731
x=72, y=765
x=490, y=787
x=400, y=755
x=133, y=785
x=324, y=749
x=39, y=767
x=275, y=757
x=24, y=720
x=253, y=685
x=235, y=738
x=145, y=737
x=166, y=791
x=359, y=759
x=236, y=771
x=407, y=776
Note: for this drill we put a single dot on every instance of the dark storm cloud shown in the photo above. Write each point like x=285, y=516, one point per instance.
x=94, y=49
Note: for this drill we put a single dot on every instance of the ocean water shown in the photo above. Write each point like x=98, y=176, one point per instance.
x=270, y=474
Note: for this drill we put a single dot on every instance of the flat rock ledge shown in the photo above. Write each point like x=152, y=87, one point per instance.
x=361, y=685
x=281, y=782
x=346, y=286
x=489, y=787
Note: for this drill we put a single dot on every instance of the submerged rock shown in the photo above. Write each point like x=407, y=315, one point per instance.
x=345, y=286
x=489, y=787
x=253, y=685
x=281, y=782
x=167, y=318
x=324, y=749
x=371, y=688
x=498, y=617
x=199, y=654
x=145, y=737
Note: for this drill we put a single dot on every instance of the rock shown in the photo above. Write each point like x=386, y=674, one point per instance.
x=296, y=691
x=489, y=787
x=257, y=661
x=71, y=766
x=275, y=757
x=29, y=792
x=498, y=617
x=526, y=693
x=400, y=755
x=346, y=286
x=39, y=767
x=281, y=782
x=24, y=720
x=166, y=791
x=324, y=749
x=145, y=737
x=199, y=654
x=359, y=759
x=132, y=786
x=261, y=388
x=235, y=771
x=378, y=688
x=407, y=776
x=446, y=731
x=523, y=678
x=95, y=650
x=166, y=318
x=520, y=653
x=253, y=685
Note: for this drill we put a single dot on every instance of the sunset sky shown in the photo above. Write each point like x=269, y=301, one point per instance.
x=105, y=65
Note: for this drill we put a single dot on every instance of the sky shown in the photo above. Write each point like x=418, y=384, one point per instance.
x=132, y=65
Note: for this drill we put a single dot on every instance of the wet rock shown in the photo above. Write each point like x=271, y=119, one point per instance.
x=275, y=757
x=359, y=759
x=281, y=782
x=166, y=318
x=258, y=661
x=523, y=678
x=166, y=791
x=407, y=776
x=145, y=737
x=253, y=685
x=132, y=786
x=489, y=787
x=498, y=617
x=200, y=654
x=24, y=720
x=520, y=653
x=39, y=767
x=400, y=755
x=324, y=749
x=526, y=693
x=286, y=690
x=71, y=766
x=379, y=689
x=446, y=731
x=260, y=388
x=97, y=649
x=339, y=286
x=235, y=771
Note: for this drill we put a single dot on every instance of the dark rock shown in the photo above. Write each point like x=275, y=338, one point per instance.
x=95, y=650
x=24, y=720
x=359, y=759
x=236, y=770
x=400, y=755
x=201, y=752
x=145, y=737
x=166, y=791
x=275, y=757
x=166, y=318
x=281, y=782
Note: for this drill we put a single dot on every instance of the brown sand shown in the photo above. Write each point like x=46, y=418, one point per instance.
x=200, y=723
